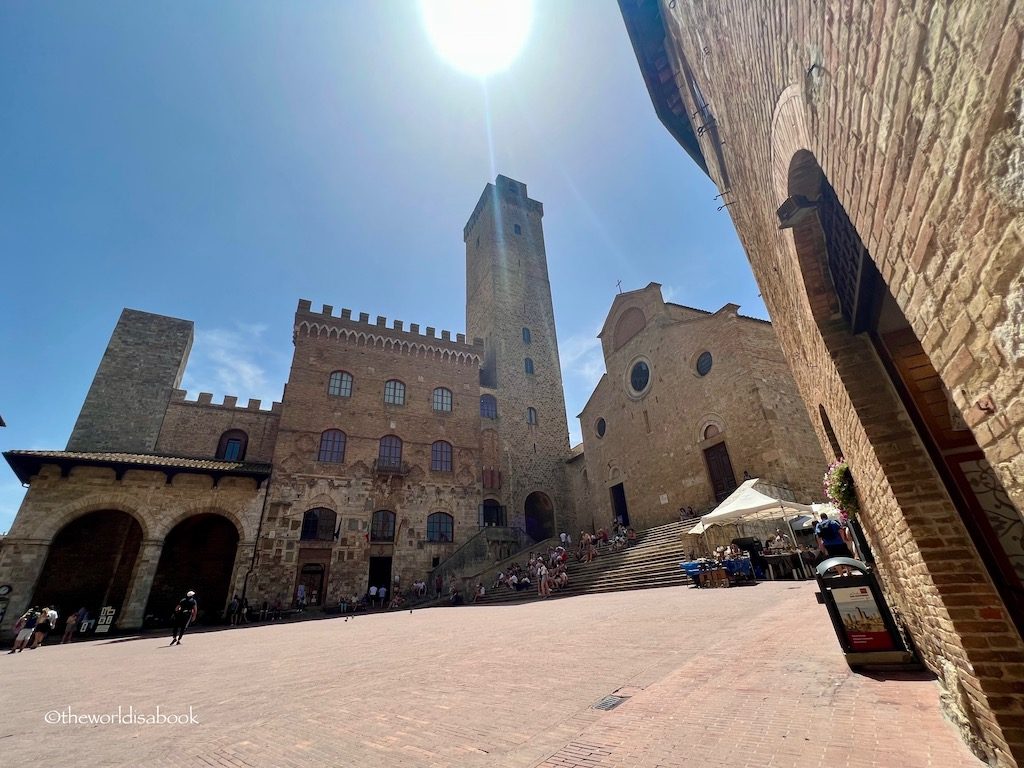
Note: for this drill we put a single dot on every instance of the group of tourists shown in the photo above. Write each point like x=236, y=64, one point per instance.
x=238, y=611
x=545, y=570
x=33, y=627
x=621, y=537
x=515, y=577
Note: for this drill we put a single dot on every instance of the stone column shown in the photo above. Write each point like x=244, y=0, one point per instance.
x=133, y=610
x=243, y=559
x=21, y=563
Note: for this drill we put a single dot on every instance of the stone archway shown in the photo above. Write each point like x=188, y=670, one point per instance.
x=199, y=555
x=90, y=564
x=540, y=516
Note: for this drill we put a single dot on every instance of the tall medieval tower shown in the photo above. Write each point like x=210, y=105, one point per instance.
x=508, y=305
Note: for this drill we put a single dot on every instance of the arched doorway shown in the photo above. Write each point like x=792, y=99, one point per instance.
x=90, y=564
x=915, y=429
x=540, y=516
x=198, y=554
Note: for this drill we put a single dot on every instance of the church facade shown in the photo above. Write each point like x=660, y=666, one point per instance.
x=692, y=403
x=869, y=156
x=392, y=446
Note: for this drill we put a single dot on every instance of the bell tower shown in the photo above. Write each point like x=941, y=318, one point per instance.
x=508, y=305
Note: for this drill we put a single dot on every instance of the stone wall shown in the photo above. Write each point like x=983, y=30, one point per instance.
x=52, y=502
x=507, y=291
x=142, y=365
x=912, y=112
x=194, y=428
x=654, y=443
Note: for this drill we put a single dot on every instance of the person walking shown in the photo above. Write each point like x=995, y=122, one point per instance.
x=185, y=613
x=382, y=593
x=69, y=628
x=233, y=608
x=47, y=618
x=25, y=627
x=831, y=538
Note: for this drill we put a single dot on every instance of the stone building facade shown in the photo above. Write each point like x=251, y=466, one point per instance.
x=508, y=305
x=710, y=399
x=870, y=154
x=391, y=447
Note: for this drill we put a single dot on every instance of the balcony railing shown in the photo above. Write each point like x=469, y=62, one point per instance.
x=390, y=466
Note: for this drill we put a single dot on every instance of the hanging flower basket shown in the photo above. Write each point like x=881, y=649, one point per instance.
x=839, y=488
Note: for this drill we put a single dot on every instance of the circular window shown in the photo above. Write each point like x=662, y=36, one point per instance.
x=704, y=363
x=600, y=427
x=639, y=376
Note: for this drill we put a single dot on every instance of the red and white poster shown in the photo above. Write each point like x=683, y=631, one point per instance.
x=865, y=629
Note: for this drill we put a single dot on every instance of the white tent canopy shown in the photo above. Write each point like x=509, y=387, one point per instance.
x=748, y=503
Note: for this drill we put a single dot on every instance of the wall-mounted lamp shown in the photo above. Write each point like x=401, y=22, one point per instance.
x=794, y=210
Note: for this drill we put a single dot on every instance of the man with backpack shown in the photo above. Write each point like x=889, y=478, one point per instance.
x=832, y=537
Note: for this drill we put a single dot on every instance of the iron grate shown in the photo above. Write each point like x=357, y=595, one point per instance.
x=610, y=702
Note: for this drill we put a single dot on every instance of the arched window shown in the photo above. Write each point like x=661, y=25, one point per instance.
x=232, y=445
x=318, y=524
x=488, y=407
x=394, y=392
x=528, y=365
x=383, y=526
x=332, y=446
x=441, y=456
x=443, y=399
x=531, y=416
x=389, y=455
x=340, y=384
x=629, y=324
x=830, y=433
x=440, y=527
x=526, y=336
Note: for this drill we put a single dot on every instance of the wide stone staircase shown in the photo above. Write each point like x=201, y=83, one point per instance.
x=653, y=561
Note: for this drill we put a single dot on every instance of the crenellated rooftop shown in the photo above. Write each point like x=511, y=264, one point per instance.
x=361, y=329
x=503, y=189
x=230, y=402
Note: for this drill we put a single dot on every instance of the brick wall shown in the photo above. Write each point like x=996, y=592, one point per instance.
x=373, y=354
x=913, y=112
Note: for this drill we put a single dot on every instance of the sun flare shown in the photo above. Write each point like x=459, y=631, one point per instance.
x=477, y=37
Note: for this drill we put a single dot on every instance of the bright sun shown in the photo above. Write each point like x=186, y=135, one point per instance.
x=477, y=37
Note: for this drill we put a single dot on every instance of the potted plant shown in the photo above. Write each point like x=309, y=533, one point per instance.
x=839, y=488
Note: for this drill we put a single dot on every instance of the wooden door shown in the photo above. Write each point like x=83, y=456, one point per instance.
x=723, y=480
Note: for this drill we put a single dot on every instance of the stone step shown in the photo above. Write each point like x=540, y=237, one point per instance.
x=652, y=561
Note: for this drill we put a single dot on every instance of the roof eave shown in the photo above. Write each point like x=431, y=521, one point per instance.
x=646, y=30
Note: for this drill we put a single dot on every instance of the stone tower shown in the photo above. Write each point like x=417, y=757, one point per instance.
x=508, y=305
x=142, y=365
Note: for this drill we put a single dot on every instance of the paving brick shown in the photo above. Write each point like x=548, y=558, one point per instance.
x=733, y=678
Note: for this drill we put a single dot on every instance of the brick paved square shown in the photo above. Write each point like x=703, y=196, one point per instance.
x=739, y=677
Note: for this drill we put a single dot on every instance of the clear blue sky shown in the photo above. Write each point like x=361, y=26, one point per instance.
x=219, y=161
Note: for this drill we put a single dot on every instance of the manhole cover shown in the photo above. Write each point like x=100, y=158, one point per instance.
x=610, y=702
